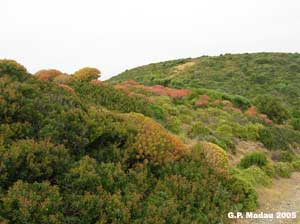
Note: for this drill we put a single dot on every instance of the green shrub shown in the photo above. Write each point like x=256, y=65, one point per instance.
x=33, y=161
x=278, y=138
x=296, y=124
x=198, y=130
x=272, y=107
x=255, y=158
x=254, y=176
x=216, y=157
x=250, y=131
x=33, y=203
x=13, y=70
x=283, y=169
x=244, y=194
x=286, y=156
x=241, y=102
x=269, y=169
x=296, y=165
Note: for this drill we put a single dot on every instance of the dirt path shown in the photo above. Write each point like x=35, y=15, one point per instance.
x=282, y=196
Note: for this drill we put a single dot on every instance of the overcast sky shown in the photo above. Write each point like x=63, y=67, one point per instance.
x=114, y=35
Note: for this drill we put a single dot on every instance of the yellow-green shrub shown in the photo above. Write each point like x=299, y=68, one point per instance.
x=215, y=156
x=254, y=158
x=283, y=169
x=253, y=175
x=152, y=143
x=87, y=74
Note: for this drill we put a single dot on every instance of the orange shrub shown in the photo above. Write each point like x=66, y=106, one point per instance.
x=216, y=102
x=251, y=111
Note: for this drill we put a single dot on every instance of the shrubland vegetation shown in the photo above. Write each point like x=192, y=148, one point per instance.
x=74, y=149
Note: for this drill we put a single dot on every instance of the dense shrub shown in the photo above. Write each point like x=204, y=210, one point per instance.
x=272, y=107
x=286, y=156
x=48, y=74
x=32, y=161
x=250, y=131
x=13, y=70
x=296, y=124
x=32, y=203
x=244, y=194
x=253, y=175
x=241, y=102
x=269, y=169
x=153, y=143
x=296, y=165
x=104, y=164
x=216, y=157
x=114, y=99
x=254, y=158
x=278, y=138
x=198, y=130
x=283, y=169
x=87, y=74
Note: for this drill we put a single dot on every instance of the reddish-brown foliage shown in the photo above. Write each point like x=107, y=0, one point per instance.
x=204, y=97
x=97, y=82
x=251, y=111
x=47, y=74
x=67, y=88
x=216, y=102
x=156, y=89
x=123, y=88
x=201, y=103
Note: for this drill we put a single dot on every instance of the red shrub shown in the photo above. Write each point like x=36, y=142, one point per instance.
x=201, y=103
x=204, y=97
x=47, y=74
x=67, y=88
x=97, y=82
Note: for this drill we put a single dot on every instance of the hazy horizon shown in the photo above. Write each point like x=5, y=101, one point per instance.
x=118, y=35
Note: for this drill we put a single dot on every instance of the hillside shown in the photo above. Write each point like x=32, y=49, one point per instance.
x=249, y=75
x=74, y=149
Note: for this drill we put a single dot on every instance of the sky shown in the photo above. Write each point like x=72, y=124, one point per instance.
x=115, y=35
